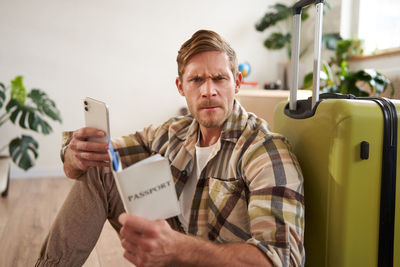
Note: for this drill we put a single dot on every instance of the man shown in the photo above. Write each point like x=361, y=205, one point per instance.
x=239, y=186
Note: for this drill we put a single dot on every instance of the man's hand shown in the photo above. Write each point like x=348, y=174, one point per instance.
x=83, y=154
x=154, y=243
x=147, y=243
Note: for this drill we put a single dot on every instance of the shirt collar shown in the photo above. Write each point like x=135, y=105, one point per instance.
x=235, y=124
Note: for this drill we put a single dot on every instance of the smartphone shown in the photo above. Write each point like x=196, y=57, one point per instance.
x=96, y=116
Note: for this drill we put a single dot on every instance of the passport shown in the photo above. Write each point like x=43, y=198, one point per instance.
x=146, y=188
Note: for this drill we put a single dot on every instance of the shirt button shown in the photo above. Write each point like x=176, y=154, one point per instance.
x=184, y=173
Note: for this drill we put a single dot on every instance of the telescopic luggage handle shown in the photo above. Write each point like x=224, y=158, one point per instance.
x=294, y=83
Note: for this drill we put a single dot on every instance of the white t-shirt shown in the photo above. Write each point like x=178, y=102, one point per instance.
x=202, y=156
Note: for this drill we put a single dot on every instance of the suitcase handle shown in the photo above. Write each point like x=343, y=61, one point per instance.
x=294, y=83
x=298, y=6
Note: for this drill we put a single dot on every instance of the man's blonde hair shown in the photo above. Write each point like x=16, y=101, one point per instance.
x=204, y=41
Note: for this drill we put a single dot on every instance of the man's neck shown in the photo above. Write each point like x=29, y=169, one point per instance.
x=209, y=136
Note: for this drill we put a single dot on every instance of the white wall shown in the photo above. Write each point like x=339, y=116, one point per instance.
x=121, y=51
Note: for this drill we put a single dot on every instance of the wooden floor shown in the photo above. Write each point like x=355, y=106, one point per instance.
x=26, y=216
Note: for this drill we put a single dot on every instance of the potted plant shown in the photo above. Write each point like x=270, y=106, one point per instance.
x=29, y=111
x=336, y=77
x=280, y=17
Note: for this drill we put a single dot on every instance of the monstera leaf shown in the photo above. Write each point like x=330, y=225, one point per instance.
x=27, y=117
x=23, y=151
x=44, y=104
x=277, y=40
x=2, y=94
x=281, y=12
x=351, y=82
x=377, y=82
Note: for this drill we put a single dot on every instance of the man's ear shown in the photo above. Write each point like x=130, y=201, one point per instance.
x=238, y=82
x=178, y=83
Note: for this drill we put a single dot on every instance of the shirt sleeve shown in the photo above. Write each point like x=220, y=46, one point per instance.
x=132, y=148
x=135, y=147
x=276, y=202
x=65, y=140
x=141, y=144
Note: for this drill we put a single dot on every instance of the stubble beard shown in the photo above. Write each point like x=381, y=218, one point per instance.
x=213, y=119
x=210, y=123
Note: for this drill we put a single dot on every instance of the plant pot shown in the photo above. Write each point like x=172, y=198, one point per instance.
x=5, y=164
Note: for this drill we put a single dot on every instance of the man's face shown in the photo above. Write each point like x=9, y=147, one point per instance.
x=209, y=88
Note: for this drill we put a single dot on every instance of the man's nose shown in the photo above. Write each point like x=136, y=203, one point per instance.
x=208, y=89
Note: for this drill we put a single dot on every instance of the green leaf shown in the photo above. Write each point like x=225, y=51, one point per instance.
x=304, y=14
x=16, y=108
x=348, y=84
x=2, y=94
x=13, y=105
x=14, y=115
x=377, y=82
x=31, y=121
x=36, y=123
x=308, y=80
x=18, y=90
x=44, y=104
x=330, y=40
x=357, y=91
x=277, y=40
x=271, y=18
x=347, y=48
x=28, y=117
x=24, y=151
x=327, y=69
x=344, y=69
x=22, y=119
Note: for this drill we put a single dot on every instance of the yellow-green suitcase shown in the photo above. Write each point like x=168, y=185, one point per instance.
x=347, y=149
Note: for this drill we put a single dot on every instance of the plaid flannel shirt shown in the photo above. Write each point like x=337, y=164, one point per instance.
x=250, y=191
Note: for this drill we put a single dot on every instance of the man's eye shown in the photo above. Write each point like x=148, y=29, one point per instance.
x=196, y=79
x=218, y=78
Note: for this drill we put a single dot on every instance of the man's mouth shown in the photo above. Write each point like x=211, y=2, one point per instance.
x=209, y=108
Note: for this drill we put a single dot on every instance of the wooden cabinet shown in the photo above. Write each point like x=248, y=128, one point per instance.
x=263, y=102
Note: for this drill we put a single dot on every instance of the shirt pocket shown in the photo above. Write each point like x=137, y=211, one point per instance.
x=228, y=219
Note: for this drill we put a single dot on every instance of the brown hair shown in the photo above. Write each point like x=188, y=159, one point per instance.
x=204, y=41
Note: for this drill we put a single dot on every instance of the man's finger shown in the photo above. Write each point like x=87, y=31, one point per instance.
x=130, y=257
x=132, y=248
x=137, y=224
x=88, y=132
x=90, y=156
x=131, y=234
x=92, y=146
